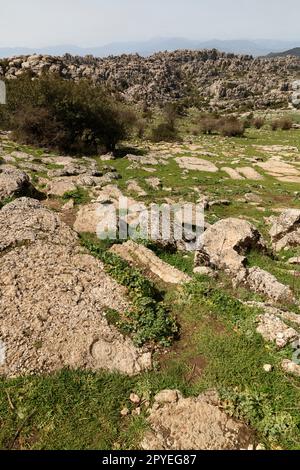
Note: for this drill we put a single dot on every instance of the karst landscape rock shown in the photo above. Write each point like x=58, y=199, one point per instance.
x=175, y=343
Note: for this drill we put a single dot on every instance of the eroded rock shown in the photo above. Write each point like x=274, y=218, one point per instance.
x=193, y=424
x=145, y=258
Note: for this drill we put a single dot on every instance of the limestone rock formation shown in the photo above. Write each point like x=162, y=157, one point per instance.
x=14, y=183
x=285, y=230
x=225, y=244
x=53, y=299
x=146, y=259
x=223, y=81
x=179, y=423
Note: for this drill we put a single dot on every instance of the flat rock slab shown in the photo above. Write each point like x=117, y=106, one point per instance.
x=145, y=258
x=249, y=173
x=233, y=173
x=54, y=298
x=179, y=423
x=197, y=164
x=281, y=170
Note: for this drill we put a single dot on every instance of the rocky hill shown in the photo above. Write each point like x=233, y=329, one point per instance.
x=291, y=52
x=216, y=80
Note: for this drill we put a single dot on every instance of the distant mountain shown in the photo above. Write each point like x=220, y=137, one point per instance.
x=258, y=47
x=294, y=52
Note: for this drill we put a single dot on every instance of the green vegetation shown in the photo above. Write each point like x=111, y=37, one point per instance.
x=149, y=320
x=79, y=196
x=61, y=114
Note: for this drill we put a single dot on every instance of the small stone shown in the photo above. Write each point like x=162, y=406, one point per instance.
x=260, y=447
x=135, y=399
x=204, y=271
x=125, y=412
x=136, y=412
x=167, y=396
x=268, y=368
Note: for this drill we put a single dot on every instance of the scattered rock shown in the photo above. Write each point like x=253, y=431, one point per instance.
x=205, y=271
x=14, y=183
x=274, y=330
x=285, y=230
x=295, y=260
x=124, y=412
x=145, y=258
x=168, y=396
x=225, y=244
x=154, y=183
x=262, y=282
x=291, y=367
x=135, y=399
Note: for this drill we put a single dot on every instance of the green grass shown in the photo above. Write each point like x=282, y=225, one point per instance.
x=78, y=195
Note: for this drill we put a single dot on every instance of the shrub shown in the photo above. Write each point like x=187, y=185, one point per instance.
x=258, y=122
x=164, y=132
x=284, y=123
x=231, y=127
x=209, y=124
x=62, y=114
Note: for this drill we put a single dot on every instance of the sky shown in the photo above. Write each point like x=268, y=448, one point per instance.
x=39, y=23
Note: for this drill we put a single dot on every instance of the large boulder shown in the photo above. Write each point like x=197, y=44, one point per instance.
x=225, y=244
x=179, y=423
x=14, y=183
x=285, y=230
x=54, y=298
x=26, y=220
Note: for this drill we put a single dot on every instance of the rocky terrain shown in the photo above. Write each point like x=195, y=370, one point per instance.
x=86, y=325
x=217, y=80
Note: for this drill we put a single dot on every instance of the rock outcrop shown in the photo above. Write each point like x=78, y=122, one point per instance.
x=179, y=423
x=14, y=183
x=226, y=243
x=285, y=230
x=53, y=299
x=222, y=81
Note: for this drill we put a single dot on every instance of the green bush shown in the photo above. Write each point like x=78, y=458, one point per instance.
x=209, y=124
x=65, y=115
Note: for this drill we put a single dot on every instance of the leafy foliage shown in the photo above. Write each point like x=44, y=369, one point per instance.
x=63, y=114
x=149, y=320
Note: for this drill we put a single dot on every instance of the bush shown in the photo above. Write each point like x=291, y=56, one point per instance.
x=284, y=123
x=62, y=114
x=209, y=124
x=164, y=132
x=231, y=127
x=258, y=122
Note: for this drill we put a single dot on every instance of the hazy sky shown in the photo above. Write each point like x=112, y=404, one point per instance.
x=38, y=23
